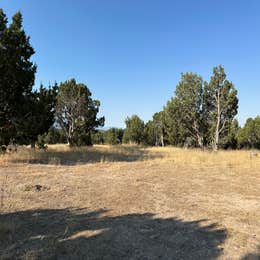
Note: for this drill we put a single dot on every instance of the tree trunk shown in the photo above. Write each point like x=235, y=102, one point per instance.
x=70, y=135
x=162, y=141
x=33, y=145
x=200, y=141
x=70, y=141
x=216, y=141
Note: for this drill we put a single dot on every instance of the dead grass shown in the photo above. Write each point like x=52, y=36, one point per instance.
x=64, y=155
x=128, y=202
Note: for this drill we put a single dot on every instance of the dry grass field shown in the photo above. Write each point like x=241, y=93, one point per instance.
x=128, y=202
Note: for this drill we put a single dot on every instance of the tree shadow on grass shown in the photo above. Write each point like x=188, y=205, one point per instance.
x=78, y=234
x=83, y=155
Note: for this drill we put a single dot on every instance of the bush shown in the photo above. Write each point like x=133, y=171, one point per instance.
x=41, y=142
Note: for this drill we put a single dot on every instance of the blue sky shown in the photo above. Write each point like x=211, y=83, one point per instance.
x=131, y=53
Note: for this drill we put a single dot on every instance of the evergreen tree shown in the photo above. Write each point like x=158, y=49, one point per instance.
x=154, y=131
x=159, y=123
x=221, y=105
x=249, y=135
x=230, y=140
x=55, y=136
x=134, y=131
x=114, y=136
x=150, y=133
x=17, y=75
x=176, y=133
x=98, y=137
x=76, y=112
x=39, y=114
x=190, y=105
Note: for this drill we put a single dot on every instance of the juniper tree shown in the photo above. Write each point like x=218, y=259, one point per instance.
x=221, y=105
x=154, y=131
x=17, y=74
x=176, y=134
x=185, y=112
x=134, y=131
x=113, y=135
x=150, y=133
x=189, y=99
x=39, y=116
x=76, y=112
x=230, y=140
x=249, y=135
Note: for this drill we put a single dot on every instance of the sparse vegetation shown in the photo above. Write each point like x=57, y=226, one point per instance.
x=101, y=200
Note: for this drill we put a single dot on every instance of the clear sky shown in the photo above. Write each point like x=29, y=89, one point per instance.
x=130, y=53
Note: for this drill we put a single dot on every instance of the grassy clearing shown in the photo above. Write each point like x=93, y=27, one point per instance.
x=64, y=155
x=128, y=202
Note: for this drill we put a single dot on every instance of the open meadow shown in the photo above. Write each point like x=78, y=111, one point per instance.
x=129, y=202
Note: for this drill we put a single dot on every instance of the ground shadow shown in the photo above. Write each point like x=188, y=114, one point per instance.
x=78, y=234
x=77, y=156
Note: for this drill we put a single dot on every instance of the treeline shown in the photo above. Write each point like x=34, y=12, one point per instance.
x=200, y=113
x=112, y=136
x=154, y=133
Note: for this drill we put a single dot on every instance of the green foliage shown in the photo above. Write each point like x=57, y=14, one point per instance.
x=126, y=137
x=134, y=132
x=150, y=133
x=221, y=105
x=113, y=136
x=82, y=137
x=249, y=135
x=230, y=141
x=201, y=113
x=41, y=142
x=55, y=136
x=97, y=137
x=189, y=107
x=39, y=116
x=76, y=112
x=154, y=131
x=17, y=75
x=176, y=134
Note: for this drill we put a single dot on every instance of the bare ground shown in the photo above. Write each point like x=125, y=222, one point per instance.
x=129, y=203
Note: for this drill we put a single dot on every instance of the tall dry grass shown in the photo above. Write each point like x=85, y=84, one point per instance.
x=65, y=155
x=242, y=159
x=192, y=158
